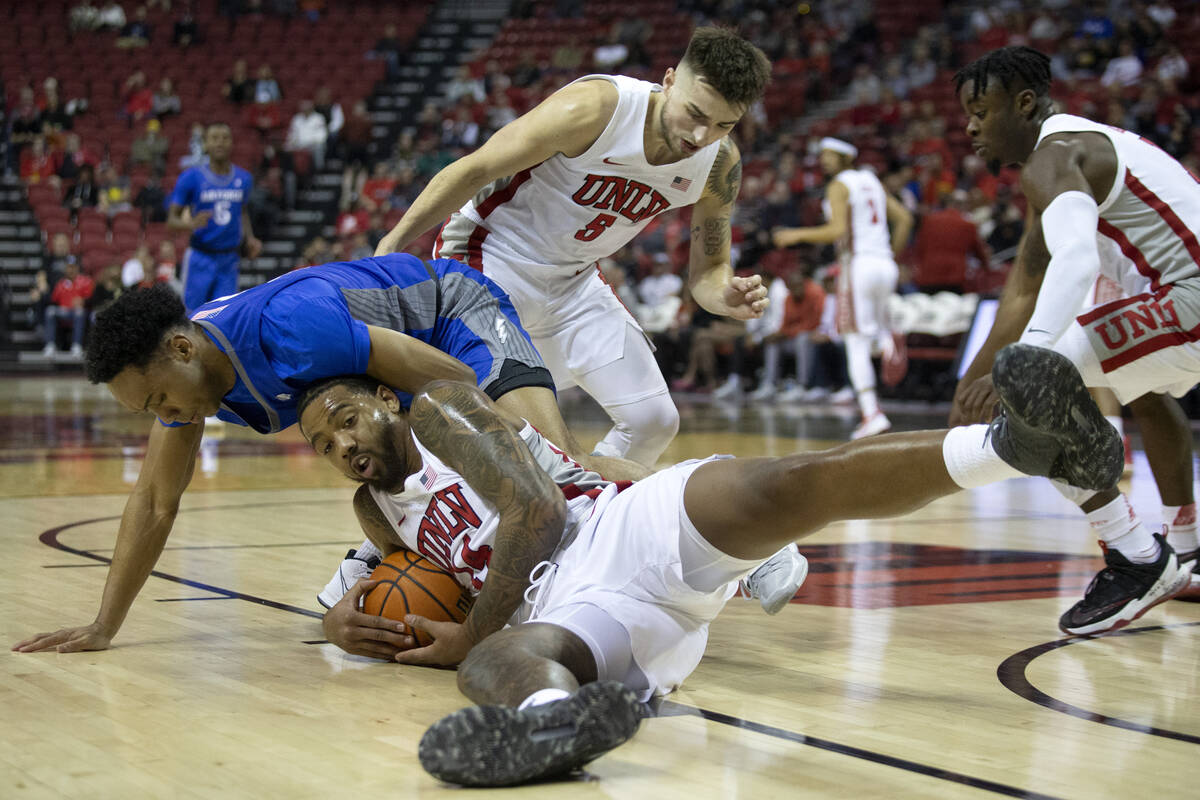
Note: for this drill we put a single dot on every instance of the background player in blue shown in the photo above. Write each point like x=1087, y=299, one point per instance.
x=210, y=201
x=245, y=358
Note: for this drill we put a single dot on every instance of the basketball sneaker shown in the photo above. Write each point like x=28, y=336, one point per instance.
x=357, y=565
x=502, y=746
x=873, y=425
x=1123, y=591
x=1048, y=423
x=776, y=582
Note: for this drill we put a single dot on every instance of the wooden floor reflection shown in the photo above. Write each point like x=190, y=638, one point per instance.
x=920, y=660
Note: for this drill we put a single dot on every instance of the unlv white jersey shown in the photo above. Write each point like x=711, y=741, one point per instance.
x=1152, y=212
x=441, y=517
x=867, y=227
x=570, y=212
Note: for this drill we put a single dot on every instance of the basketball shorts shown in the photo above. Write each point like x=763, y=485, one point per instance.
x=574, y=317
x=628, y=562
x=1144, y=343
x=476, y=323
x=864, y=289
x=207, y=276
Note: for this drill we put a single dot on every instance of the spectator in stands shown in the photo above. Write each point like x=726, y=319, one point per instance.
x=151, y=200
x=185, y=32
x=317, y=251
x=1172, y=67
x=865, y=87
x=922, y=71
x=137, y=268
x=947, y=241
x=266, y=118
x=464, y=84
x=166, y=102
x=894, y=79
x=151, y=147
x=114, y=194
x=308, y=132
x=359, y=247
x=73, y=158
x=54, y=266
x=83, y=17
x=389, y=48
x=460, y=132
x=195, y=154
x=376, y=230
x=111, y=16
x=84, y=192
x=1125, y=69
x=266, y=88
x=610, y=53
x=238, y=87
x=107, y=289
x=135, y=33
x=331, y=110
x=39, y=162
x=377, y=189
x=24, y=127
x=67, y=301
x=166, y=267
x=54, y=117
x=802, y=307
x=495, y=78
x=355, y=144
x=500, y=112
x=526, y=72
x=139, y=98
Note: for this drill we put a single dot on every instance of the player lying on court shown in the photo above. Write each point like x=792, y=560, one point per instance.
x=246, y=357
x=613, y=584
x=1101, y=201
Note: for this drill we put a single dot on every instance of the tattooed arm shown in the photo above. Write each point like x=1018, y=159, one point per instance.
x=462, y=427
x=710, y=273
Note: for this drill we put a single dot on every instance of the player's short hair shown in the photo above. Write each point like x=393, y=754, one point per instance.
x=129, y=332
x=1016, y=68
x=738, y=70
x=355, y=384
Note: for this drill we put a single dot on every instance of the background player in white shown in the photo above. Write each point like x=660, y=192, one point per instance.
x=1082, y=179
x=614, y=586
x=572, y=181
x=859, y=213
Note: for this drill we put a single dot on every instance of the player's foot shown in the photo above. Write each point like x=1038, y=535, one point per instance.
x=843, y=396
x=776, y=582
x=49, y=351
x=731, y=389
x=794, y=394
x=352, y=569
x=502, y=746
x=1128, y=470
x=1191, y=592
x=1123, y=591
x=76, y=351
x=763, y=393
x=873, y=425
x=1048, y=423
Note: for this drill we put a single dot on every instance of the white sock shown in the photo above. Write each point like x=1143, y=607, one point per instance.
x=366, y=551
x=1182, y=534
x=543, y=696
x=1117, y=525
x=868, y=401
x=1117, y=422
x=971, y=460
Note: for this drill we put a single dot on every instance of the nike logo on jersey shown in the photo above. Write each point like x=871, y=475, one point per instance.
x=610, y=162
x=501, y=330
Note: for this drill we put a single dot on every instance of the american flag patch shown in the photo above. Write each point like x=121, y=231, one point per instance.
x=428, y=477
x=682, y=184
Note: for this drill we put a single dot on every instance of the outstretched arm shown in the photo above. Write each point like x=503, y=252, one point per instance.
x=710, y=271
x=839, y=222
x=145, y=525
x=460, y=426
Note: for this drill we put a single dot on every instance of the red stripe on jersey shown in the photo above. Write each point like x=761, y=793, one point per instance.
x=1172, y=219
x=1151, y=345
x=1108, y=308
x=571, y=490
x=475, y=247
x=504, y=195
x=1131, y=252
x=438, y=242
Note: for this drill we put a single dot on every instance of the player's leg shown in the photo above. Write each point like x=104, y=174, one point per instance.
x=548, y=703
x=225, y=278
x=869, y=286
x=197, y=277
x=1168, y=442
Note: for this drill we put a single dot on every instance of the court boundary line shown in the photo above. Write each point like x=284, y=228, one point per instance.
x=1011, y=674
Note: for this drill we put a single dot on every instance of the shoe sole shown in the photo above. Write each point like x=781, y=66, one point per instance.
x=796, y=579
x=1042, y=391
x=1176, y=583
x=501, y=746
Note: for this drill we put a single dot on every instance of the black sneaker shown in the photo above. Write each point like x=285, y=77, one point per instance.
x=501, y=746
x=1123, y=591
x=1049, y=424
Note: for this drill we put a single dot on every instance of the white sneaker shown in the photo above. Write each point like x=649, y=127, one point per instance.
x=763, y=392
x=876, y=424
x=49, y=351
x=730, y=389
x=817, y=394
x=844, y=395
x=357, y=564
x=796, y=394
x=778, y=579
x=76, y=351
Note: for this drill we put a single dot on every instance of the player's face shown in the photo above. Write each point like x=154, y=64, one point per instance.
x=693, y=114
x=831, y=161
x=365, y=437
x=174, y=387
x=218, y=142
x=999, y=124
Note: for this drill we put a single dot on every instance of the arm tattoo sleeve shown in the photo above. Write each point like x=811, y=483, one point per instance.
x=716, y=235
x=456, y=423
x=725, y=177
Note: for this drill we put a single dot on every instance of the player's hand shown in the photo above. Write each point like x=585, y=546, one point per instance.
x=974, y=402
x=746, y=298
x=200, y=219
x=363, y=634
x=252, y=247
x=783, y=237
x=67, y=640
x=451, y=643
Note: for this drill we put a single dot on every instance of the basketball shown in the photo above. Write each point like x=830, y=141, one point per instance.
x=412, y=584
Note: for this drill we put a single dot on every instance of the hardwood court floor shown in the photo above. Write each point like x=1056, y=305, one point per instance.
x=921, y=659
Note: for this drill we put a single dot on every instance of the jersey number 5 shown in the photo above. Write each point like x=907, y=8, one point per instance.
x=599, y=225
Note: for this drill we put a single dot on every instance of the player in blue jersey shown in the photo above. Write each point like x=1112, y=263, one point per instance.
x=210, y=201
x=245, y=358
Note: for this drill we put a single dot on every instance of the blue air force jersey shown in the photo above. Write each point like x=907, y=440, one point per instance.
x=201, y=189
x=311, y=324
